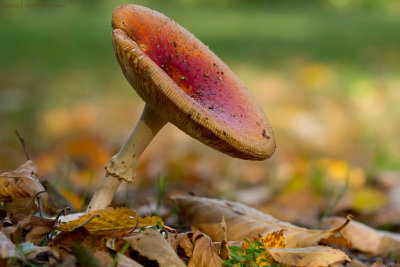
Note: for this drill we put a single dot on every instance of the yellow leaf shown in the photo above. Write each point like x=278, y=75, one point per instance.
x=309, y=256
x=110, y=219
x=368, y=199
x=272, y=240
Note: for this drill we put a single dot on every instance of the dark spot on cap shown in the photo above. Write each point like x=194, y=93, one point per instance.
x=265, y=134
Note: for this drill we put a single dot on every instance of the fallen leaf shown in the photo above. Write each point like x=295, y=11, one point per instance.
x=337, y=240
x=7, y=248
x=96, y=242
x=22, y=183
x=56, y=200
x=184, y=242
x=294, y=206
x=369, y=199
x=379, y=264
x=367, y=239
x=21, y=206
x=309, y=256
x=152, y=245
x=110, y=219
x=124, y=261
x=390, y=214
x=38, y=234
x=243, y=222
x=272, y=240
x=85, y=256
x=199, y=249
x=104, y=258
x=32, y=229
x=66, y=240
x=47, y=256
x=204, y=252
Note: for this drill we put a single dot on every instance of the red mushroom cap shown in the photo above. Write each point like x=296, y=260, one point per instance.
x=188, y=85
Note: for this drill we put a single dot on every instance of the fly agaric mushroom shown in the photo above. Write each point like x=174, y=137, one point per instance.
x=183, y=82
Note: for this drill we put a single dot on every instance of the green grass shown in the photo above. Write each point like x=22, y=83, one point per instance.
x=78, y=36
x=60, y=56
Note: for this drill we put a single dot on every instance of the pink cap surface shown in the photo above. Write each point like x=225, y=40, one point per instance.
x=188, y=85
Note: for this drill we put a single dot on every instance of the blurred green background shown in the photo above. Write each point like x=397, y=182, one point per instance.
x=326, y=73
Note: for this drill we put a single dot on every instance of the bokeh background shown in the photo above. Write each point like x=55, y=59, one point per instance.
x=326, y=73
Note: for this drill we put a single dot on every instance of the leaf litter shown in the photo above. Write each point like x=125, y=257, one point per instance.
x=223, y=233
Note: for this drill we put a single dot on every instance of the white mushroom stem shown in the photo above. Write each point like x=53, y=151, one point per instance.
x=122, y=166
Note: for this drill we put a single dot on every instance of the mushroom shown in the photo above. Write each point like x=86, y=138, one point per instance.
x=183, y=82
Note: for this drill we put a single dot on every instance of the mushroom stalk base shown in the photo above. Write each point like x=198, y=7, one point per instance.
x=122, y=166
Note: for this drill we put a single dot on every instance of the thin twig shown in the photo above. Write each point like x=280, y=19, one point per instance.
x=88, y=221
x=63, y=212
x=137, y=223
x=40, y=207
x=36, y=196
x=349, y=218
x=22, y=140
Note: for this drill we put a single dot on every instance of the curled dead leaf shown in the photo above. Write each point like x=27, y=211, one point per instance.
x=367, y=239
x=309, y=256
x=22, y=183
x=66, y=240
x=21, y=206
x=124, y=261
x=44, y=256
x=243, y=222
x=198, y=249
x=31, y=228
x=7, y=248
x=152, y=245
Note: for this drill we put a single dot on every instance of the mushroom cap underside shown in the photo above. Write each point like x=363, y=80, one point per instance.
x=188, y=85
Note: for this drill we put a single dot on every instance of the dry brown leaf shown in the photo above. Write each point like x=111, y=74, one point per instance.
x=337, y=240
x=110, y=219
x=56, y=201
x=378, y=264
x=104, y=258
x=197, y=248
x=152, y=245
x=184, y=242
x=367, y=239
x=44, y=256
x=124, y=261
x=7, y=248
x=204, y=252
x=21, y=206
x=96, y=242
x=309, y=256
x=243, y=222
x=66, y=240
x=21, y=183
x=33, y=228
x=38, y=234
